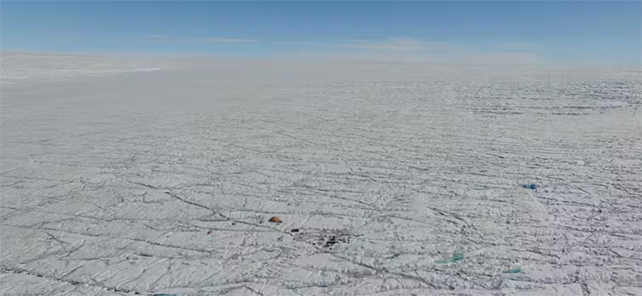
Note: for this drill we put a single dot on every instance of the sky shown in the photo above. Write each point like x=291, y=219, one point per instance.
x=594, y=32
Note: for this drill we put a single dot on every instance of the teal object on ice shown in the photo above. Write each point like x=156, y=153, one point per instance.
x=393, y=256
x=456, y=257
x=514, y=270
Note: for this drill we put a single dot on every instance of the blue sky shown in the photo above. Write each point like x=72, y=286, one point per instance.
x=596, y=32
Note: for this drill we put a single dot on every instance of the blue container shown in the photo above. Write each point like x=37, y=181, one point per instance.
x=531, y=186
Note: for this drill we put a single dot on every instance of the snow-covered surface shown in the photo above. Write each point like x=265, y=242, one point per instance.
x=164, y=181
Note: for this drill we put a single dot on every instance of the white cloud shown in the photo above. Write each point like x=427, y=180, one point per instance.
x=226, y=40
x=168, y=38
x=397, y=44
